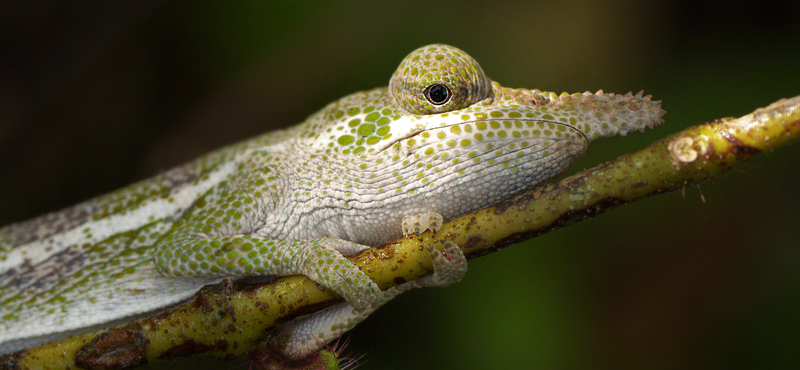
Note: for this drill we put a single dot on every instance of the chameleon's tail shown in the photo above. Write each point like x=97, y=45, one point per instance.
x=603, y=115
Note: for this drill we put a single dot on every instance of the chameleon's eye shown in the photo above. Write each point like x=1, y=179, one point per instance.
x=437, y=94
x=437, y=79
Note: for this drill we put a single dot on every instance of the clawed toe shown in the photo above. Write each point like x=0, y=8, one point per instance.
x=449, y=266
x=418, y=224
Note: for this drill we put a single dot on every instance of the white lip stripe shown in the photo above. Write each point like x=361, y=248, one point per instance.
x=34, y=252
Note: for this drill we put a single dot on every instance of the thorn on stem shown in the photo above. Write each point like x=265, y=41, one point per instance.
x=702, y=197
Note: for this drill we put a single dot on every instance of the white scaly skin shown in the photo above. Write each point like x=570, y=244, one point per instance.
x=442, y=138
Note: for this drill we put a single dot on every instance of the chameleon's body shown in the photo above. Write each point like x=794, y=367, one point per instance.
x=441, y=139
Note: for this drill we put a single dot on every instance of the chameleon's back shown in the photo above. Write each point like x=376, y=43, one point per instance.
x=92, y=263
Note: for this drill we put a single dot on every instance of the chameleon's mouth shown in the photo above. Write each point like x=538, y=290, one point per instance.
x=412, y=134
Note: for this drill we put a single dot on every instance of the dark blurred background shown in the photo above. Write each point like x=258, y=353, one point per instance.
x=97, y=94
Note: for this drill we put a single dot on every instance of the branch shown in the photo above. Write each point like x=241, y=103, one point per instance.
x=226, y=320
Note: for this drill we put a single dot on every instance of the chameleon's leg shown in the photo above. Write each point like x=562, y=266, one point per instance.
x=310, y=333
x=247, y=255
x=223, y=235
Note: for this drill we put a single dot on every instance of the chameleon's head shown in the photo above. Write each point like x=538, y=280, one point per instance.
x=444, y=132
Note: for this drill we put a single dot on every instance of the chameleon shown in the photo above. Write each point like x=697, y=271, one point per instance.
x=440, y=141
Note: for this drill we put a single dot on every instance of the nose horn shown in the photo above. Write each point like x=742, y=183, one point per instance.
x=600, y=114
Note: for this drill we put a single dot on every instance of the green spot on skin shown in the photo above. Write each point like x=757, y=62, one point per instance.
x=366, y=129
x=345, y=140
x=382, y=131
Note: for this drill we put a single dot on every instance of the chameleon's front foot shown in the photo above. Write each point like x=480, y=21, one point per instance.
x=326, y=265
x=449, y=266
x=417, y=224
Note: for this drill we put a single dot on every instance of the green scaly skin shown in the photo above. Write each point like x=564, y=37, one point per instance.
x=442, y=139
